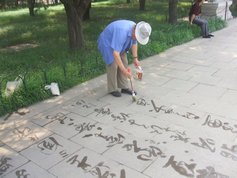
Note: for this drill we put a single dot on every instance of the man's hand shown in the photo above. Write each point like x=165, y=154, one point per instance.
x=136, y=62
x=128, y=73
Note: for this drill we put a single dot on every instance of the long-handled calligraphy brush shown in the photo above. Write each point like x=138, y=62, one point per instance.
x=134, y=97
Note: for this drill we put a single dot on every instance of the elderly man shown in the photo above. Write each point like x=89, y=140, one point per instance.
x=114, y=42
x=194, y=17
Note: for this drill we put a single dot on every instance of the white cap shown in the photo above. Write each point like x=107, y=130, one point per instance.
x=143, y=32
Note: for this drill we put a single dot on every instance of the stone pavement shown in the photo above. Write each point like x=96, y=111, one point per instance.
x=184, y=123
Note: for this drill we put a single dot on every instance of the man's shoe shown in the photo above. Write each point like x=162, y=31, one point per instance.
x=128, y=91
x=206, y=37
x=116, y=93
x=211, y=35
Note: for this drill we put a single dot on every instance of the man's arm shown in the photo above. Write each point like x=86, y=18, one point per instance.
x=135, y=56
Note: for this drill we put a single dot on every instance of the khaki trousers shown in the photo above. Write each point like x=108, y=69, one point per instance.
x=115, y=78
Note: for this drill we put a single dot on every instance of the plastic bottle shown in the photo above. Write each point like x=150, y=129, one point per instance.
x=139, y=72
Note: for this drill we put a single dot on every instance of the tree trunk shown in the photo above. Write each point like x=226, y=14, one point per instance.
x=31, y=6
x=233, y=8
x=75, y=10
x=74, y=23
x=173, y=11
x=142, y=4
x=86, y=15
x=16, y=3
x=3, y=4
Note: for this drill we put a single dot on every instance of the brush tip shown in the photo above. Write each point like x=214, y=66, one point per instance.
x=134, y=98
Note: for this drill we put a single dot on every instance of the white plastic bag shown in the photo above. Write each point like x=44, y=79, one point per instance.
x=53, y=88
x=13, y=85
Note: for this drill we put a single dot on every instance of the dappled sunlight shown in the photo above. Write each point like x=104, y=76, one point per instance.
x=20, y=47
x=193, y=48
x=5, y=30
x=5, y=151
x=162, y=55
x=55, y=99
x=14, y=13
x=20, y=132
x=102, y=4
x=27, y=35
x=58, y=7
x=4, y=125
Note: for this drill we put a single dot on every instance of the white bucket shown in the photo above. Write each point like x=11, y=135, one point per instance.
x=54, y=88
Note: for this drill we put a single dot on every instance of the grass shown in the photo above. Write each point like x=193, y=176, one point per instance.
x=52, y=61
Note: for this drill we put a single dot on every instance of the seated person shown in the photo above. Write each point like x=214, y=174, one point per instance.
x=194, y=17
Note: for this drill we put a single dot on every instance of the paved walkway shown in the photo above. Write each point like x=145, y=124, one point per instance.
x=184, y=123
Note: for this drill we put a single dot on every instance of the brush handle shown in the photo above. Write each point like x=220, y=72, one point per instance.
x=129, y=70
x=131, y=84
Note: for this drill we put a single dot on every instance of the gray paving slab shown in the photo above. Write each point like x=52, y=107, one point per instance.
x=29, y=170
x=50, y=151
x=183, y=124
x=20, y=136
x=10, y=160
x=87, y=164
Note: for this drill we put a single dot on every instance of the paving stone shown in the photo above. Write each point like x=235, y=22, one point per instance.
x=87, y=164
x=70, y=125
x=180, y=85
x=82, y=106
x=108, y=115
x=177, y=74
x=207, y=91
x=179, y=66
x=50, y=151
x=44, y=105
x=187, y=99
x=135, y=153
x=49, y=116
x=10, y=160
x=227, y=82
x=158, y=70
x=116, y=102
x=145, y=127
x=229, y=97
x=155, y=80
x=200, y=59
x=188, y=161
x=104, y=136
x=20, y=136
x=30, y=170
x=153, y=93
x=203, y=69
x=12, y=120
x=224, y=109
x=205, y=79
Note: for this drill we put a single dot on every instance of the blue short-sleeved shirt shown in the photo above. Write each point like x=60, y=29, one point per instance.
x=117, y=36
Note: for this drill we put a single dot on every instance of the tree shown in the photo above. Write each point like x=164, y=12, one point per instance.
x=86, y=15
x=173, y=11
x=233, y=8
x=31, y=6
x=75, y=9
x=142, y=4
